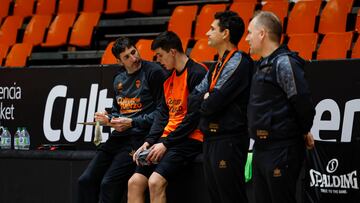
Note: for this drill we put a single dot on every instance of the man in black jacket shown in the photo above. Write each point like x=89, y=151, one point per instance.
x=280, y=112
x=223, y=97
x=137, y=91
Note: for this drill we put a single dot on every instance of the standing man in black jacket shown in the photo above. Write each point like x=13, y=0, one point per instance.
x=137, y=91
x=280, y=113
x=223, y=98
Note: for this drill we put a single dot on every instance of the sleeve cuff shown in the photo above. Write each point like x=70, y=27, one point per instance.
x=135, y=122
x=150, y=141
x=166, y=144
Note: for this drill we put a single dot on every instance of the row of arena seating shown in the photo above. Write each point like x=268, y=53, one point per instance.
x=27, y=8
x=317, y=29
x=301, y=37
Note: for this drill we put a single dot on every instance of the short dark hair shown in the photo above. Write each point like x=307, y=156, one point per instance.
x=167, y=40
x=231, y=21
x=271, y=22
x=120, y=45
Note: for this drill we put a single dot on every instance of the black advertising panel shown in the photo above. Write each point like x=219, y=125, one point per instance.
x=335, y=89
x=332, y=173
x=50, y=102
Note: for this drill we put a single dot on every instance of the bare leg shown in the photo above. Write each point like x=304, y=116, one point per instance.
x=157, y=187
x=136, y=188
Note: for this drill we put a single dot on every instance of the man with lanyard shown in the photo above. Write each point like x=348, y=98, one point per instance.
x=137, y=91
x=174, y=137
x=280, y=113
x=223, y=97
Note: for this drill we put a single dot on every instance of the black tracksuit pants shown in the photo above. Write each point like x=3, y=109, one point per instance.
x=275, y=173
x=105, y=179
x=224, y=165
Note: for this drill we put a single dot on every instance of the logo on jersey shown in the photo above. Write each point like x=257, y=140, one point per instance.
x=277, y=172
x=222, y=164
x=138, y=83
x=171, y=86
x=119, y=87
x=129, y=105
x=175, y=106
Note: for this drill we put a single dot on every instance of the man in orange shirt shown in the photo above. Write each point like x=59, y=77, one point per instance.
x=174, y=137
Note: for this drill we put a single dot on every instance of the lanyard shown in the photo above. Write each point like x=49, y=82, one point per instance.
x=216, y=73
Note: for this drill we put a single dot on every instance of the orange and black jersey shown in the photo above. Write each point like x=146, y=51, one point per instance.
x=175, y=122
x=137, y=95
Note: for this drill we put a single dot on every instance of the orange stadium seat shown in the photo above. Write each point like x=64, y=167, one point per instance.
x=305, y=44
x=302, y=17
x=181, y=22
x=83, y=29
x=357, y=26
x=334, y=15
x=93, y=6
x=356, y=49
x=59, y=29
x=3, y=51
x=116, y=6
x=245, y=10
x=335, y=46
x=23, y=8
x=202, y=52
x=18, y=55
x=35, y=30
x=205, y=18
x=9, y=29
x=108, y=57
x=255, y=1
x=4, y=8
x=68, y=6
x=45, y=7
x=243, y=44
x=144, y=48
x=280, y=8
x=141, y=6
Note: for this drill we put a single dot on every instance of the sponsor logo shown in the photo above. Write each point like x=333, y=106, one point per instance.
x=333, y=183
x=7, y=111
x=175, y=106
x=129, y=105
x=332, y=165
x=86, y=109
x=333, y=123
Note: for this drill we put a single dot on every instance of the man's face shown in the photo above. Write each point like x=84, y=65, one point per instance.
x=166, y=59
x=130, y=58
x=215, y=36
x=254, y=37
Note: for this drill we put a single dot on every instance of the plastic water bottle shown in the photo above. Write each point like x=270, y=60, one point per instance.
x=26, y=136
x=5, y=139
x=16, y=138
x=22, y=139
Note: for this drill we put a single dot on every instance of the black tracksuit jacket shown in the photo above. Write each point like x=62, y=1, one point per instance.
x=280, y=108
